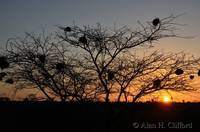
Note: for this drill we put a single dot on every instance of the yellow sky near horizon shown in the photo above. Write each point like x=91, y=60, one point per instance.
x=8, y=91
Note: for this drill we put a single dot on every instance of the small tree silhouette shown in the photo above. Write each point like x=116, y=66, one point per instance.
x=97, y=63
x=39, y=62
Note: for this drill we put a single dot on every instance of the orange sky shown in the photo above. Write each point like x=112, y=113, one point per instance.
x=7, y=90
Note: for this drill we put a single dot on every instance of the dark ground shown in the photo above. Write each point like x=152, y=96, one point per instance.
x=98, y=116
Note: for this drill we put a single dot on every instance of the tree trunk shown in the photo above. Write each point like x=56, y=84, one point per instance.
x=107, y=97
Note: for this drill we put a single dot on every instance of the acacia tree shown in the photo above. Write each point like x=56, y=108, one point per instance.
x=96, y=63
x=41, y=62
x=155, y=72
x=103, y=49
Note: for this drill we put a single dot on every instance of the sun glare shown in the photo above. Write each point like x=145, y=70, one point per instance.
x=166, y=99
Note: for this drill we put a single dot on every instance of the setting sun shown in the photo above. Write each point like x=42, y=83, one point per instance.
x=166, y=99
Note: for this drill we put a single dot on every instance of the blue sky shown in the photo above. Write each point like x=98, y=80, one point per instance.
x=18, y=16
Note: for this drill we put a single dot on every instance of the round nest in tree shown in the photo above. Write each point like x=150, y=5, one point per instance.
x=42, y=58
x=198, y=73
x=83, y=40
x=191, y=77
x=10, y=81
x=179, y=71
x=110, y=74
x=3, y=62
x=60, y=66
x=67, y=29
x=156, y=83
x=156, y=21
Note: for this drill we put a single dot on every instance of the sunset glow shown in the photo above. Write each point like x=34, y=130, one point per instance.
x=166, y=99
x=104, y=65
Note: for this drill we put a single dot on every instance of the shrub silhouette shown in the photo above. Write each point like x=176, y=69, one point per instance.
x=4, y=99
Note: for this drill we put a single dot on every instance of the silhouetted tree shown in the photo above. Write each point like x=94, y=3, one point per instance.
x=97, y=63
x=136, y=77
x=41, y=62
x=102, y=50
x=157, y=72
